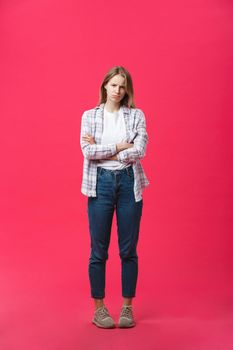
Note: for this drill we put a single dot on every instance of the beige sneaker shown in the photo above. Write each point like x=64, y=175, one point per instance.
x=102, y=318
x=126, y=319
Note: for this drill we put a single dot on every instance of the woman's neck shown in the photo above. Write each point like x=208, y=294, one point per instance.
x=111, y=106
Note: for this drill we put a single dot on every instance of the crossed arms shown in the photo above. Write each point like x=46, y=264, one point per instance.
x=124, y=152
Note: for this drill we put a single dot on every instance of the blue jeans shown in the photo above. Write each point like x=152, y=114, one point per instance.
x=115, y=190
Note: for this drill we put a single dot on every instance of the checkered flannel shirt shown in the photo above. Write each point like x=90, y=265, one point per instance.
x=92, y=123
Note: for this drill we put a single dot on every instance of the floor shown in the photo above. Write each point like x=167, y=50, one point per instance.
x=45, y=304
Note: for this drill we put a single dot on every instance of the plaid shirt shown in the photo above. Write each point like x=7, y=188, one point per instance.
x=92, y=123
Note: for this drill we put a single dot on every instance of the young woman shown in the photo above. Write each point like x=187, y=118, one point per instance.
x=113, y=140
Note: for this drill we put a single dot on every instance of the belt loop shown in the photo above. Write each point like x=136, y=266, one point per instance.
x=127, y=170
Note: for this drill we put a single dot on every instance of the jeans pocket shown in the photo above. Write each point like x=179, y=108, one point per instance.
x=130, y=172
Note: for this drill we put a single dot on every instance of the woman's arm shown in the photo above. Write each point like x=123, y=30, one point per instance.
x=139, y=146
x=94, y=151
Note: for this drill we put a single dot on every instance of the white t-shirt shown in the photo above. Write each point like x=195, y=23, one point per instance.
x=114, y=131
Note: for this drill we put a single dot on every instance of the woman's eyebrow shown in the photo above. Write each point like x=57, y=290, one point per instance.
x=120, y=85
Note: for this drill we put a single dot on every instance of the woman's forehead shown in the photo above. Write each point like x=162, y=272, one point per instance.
x=119, y=79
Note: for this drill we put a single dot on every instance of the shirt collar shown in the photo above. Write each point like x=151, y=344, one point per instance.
x=126, y=110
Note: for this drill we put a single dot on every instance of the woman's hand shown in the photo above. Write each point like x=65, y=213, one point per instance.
x=112, y=158
x=123, y=145
x=88, y=138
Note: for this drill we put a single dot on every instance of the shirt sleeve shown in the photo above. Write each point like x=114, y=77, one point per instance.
x=95, y=151
x=138, y=150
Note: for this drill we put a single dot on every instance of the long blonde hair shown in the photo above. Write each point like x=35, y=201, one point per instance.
x=128, y=99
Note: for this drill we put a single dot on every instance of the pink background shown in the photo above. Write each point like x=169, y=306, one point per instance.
x=54, y=55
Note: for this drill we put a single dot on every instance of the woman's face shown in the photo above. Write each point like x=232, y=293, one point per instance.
x=115, y=88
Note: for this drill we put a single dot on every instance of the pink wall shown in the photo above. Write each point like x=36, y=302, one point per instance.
x=53, y=57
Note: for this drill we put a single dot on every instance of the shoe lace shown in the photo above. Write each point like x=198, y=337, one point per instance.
x=126, y=312
x=102, y=312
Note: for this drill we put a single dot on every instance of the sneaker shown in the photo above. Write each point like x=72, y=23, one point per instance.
x=126, y=319
x=102, y=318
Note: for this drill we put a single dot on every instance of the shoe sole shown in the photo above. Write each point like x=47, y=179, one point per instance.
x=101, y=326
x=126, y=326
x=130, y=326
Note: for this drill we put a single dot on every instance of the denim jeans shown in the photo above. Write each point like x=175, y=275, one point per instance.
x=115, y=191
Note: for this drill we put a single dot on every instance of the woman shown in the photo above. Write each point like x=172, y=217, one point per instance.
x=113, y=140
